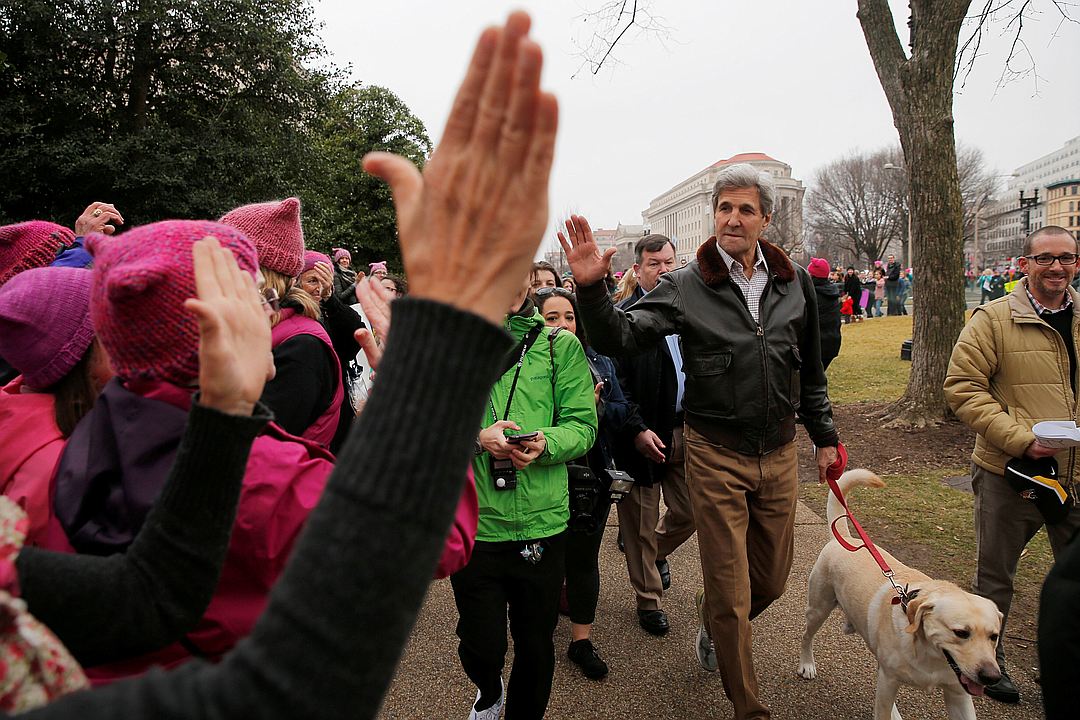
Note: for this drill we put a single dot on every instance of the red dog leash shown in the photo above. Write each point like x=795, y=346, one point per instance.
x=832, y=474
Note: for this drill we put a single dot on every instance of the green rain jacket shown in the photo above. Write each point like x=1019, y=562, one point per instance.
x=539, y=506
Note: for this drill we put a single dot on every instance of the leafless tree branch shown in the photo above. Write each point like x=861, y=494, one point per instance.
x=611, y=22
x=1011, y=16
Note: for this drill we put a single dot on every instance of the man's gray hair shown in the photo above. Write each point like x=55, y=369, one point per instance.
x=743, y=175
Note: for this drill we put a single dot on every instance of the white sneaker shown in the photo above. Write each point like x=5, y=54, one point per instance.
x=493, y=712
x=703, y=644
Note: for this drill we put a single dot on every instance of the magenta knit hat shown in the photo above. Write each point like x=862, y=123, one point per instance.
x=45, y=326
x=30, y=245
x=141, y=280
x=818, y=267
x=275, y=229
x=377, y=266
x=311, y=257
x=342, y=253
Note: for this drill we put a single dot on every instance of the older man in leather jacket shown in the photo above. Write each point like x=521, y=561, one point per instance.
x=747, y=319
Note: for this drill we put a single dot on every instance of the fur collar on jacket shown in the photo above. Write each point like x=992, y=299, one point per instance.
x=715, y=272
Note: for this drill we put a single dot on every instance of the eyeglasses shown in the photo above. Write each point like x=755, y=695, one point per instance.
x=545, y=291
x=1047, y=259
x=270, y=300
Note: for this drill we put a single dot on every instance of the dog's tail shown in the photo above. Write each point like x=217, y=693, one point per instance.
x=850, y=479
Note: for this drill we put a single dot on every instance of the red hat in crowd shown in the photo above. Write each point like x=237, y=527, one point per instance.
x=818, y=267
x=29, y=245
x=45, y=327
x=275, y=229
x=141, y=281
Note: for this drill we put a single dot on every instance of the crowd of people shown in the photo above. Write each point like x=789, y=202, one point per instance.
x=219, y=442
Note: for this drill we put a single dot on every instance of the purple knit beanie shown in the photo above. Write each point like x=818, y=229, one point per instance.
x=342, y=253
x=275, y=229
x=29, y=245
x=311, y=257
x=141, y=280
x=45, y=327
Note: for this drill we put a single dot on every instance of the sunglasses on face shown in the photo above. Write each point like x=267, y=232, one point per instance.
x=561, y=292
x=270, y=300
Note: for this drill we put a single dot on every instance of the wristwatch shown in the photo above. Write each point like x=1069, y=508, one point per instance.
x=478, y=449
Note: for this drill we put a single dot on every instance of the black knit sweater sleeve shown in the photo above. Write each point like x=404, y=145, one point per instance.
x=107, y=608
x=330, y=639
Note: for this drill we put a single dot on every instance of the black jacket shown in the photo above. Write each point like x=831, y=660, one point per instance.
x=648, y=381
x=892, y=272
x=344, y=285
x=853, y=287
x=828, y=308
x=745, y=382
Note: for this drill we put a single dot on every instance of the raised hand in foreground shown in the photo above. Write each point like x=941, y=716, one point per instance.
x=234, y=334
x=471, y=223
x=586, y=262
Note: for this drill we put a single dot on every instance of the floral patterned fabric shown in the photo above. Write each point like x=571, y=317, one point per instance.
x=35, y=667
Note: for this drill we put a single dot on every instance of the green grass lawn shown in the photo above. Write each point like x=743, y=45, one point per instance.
x=869, y=365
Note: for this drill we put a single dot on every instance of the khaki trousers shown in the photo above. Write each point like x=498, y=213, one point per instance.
x=648, y=537
x=744, y=507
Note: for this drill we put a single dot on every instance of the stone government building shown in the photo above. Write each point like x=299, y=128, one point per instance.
x=684, y=213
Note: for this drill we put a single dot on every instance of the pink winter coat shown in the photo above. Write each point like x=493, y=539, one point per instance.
x=30, y=449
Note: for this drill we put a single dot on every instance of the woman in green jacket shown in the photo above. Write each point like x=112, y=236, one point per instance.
x=521, y=483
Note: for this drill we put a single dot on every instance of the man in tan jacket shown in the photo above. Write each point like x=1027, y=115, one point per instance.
x=1013, y=366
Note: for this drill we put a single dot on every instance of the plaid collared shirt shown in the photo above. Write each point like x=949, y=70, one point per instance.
x=1042, y=309
x=755, y=286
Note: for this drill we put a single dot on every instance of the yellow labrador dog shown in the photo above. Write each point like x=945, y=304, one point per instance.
x=946, y=639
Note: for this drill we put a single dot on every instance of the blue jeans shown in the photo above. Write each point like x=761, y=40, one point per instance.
x=877, y=308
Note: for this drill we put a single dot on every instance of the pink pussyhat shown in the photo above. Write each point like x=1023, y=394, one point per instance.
x=275, y=229
x=311, y=257
x=141, y=280
x=342, y=253
x=377, y=266
x=45, y=327
x=29, y=245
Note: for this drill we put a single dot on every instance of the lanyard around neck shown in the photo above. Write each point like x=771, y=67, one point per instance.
x=526, y=343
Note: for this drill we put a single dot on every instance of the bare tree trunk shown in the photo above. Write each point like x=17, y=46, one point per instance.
x=920, y=92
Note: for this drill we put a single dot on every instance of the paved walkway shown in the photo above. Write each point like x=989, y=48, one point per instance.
x=659, y=678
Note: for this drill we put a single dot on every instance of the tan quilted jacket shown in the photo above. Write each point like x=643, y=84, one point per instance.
x=1008, y=371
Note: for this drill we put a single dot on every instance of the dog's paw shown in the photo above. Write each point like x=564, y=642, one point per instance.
x=807, y=670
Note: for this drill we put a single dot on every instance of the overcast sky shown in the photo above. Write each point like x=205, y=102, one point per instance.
x=790, y=78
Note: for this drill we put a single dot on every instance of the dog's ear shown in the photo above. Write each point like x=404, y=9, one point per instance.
x=916, y=609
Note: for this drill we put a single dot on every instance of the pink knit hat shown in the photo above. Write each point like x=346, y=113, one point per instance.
x=45, y=326
x=311, y=257
x=275, y=229
x=818, y=267
x=377, y=266
x=141, y=280
x=342, y=253
x=30, y=245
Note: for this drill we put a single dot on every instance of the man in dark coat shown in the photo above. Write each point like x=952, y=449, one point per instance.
x=650, y=449
x=892, y=286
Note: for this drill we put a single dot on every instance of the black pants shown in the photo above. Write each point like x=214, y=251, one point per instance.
x=497, y=578
x=583, y=570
